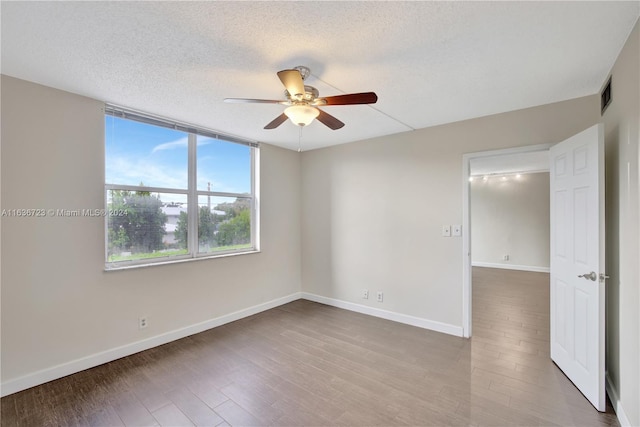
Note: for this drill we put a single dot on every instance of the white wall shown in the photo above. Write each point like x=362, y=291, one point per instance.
x=373, y=210
x=58, y=303
x=622, y=137
x=510, y=216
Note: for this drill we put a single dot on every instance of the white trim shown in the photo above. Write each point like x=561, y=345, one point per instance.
x=466, y=247
x=385, y=314
x=511, y=266
x=466, y=224
x=255, y=190
x=177, y=259
x=510, y=173
x=68, y=368
x=617, y=405
x=193, y=222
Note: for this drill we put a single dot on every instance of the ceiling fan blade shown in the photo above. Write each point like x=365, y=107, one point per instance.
x=249, y=100
x=329, y=121
x=277, y=121
x=292, y=81
x=349, y=99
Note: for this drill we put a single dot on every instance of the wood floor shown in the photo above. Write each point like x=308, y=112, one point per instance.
x=309, y=364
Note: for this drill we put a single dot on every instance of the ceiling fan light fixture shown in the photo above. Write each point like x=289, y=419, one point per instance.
x=301, y=115
x=303, y=99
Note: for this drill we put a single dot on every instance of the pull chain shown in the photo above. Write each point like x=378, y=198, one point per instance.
x=299, y=139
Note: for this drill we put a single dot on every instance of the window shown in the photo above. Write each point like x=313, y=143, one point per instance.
x=175, y=191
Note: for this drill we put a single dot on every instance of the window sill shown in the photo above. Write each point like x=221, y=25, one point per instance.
x=142, y=264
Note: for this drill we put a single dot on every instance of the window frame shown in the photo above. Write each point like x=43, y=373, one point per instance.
x=192, y=192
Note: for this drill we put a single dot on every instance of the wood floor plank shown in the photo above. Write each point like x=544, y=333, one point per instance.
x=131, y=411
x=256, y=402
x=206, y=391
x=298, y=415
x=171, y=416
x=194, y=408
x=104, y=417
x=147, y=391
x=235, y=415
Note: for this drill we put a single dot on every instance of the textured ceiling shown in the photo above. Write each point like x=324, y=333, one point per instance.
x=429, y=62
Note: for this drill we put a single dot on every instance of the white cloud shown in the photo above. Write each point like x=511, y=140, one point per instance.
x=179, y=143
x=124, y=171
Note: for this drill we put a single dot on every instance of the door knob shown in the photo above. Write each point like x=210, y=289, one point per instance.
x=589, y=276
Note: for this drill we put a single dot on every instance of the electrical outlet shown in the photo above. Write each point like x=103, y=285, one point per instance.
x=505, y=257
x=365, y=294
x=143, y=322
x=379, y=296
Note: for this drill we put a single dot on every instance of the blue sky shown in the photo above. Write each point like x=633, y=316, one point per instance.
x=137, y=152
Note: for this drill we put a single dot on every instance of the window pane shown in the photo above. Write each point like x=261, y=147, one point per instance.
x=223, y=166
x=142, y=154
x=224, y=223
x=143, y=225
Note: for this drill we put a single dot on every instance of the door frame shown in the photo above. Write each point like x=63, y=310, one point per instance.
x=466, y=223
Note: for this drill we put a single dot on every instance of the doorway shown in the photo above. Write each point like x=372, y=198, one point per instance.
x=491, y=164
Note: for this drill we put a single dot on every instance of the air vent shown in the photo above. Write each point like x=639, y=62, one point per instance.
x=605, y=97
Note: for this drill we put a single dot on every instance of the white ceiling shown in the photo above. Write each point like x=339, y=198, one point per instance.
x=429, y=62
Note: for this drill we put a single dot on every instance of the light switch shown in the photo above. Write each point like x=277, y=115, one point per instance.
x=456, y=230
x=446, y=230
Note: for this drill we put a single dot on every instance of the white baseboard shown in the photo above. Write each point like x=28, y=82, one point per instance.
x=617, y=405
x=62, y=370
x=385, y=314
x=511, y=267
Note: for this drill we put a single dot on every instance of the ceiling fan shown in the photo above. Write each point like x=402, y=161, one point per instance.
x=303, y=101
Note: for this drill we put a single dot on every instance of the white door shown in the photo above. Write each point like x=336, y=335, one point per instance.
x=577, y=261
